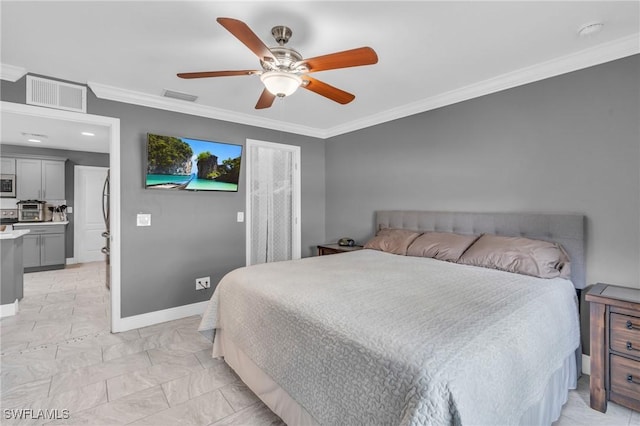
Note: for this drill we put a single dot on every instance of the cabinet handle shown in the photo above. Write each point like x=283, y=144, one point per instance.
x=631, y=348
x=630, y=326
x=630, y=380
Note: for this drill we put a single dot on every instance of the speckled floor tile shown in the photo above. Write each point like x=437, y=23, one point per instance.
x=122, y=411
x=185, y=388
x=94, y=373
x=238, y=395
x=254, y=415
x=72, y=402
x=202, y=410
x=157, y=374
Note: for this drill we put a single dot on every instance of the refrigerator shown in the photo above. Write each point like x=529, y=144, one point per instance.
x=107, y=233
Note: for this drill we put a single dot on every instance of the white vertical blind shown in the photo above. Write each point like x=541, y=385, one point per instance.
x=272, y=203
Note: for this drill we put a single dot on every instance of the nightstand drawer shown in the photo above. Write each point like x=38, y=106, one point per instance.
x=625, y=334
x=625, y=377
x=324, y=249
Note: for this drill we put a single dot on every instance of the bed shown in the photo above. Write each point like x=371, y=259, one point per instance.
x=372, y=337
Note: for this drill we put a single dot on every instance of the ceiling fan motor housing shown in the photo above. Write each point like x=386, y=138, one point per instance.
x=282, y=34
x=287, y=58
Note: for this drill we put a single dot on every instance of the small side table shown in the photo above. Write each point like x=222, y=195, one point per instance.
x=324, y=249
x=615, y=346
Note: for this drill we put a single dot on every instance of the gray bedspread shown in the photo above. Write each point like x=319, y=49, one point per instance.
x=373, y=338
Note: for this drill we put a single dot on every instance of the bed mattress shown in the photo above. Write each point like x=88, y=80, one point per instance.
x=374, y=338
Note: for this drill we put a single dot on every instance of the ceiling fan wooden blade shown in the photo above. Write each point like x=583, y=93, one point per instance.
x=345, y=59
x=327, y=90
x=266, y=99
x=205, y=74
x=243, y=33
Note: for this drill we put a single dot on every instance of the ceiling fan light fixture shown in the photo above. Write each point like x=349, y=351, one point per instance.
x=281, y=83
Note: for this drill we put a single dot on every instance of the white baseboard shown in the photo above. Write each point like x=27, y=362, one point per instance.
x=586, y=364
x=157, y=317
x=9, y=309
x=71, y=261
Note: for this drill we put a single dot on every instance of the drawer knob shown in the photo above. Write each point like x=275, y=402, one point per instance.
x=630, y=325
x=630, y=380
x=631, y=348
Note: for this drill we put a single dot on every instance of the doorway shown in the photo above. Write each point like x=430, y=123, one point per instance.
x=273, y=202
x=89, y=223
x=14, y=111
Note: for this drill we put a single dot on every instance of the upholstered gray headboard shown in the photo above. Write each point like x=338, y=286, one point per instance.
x=566, y=229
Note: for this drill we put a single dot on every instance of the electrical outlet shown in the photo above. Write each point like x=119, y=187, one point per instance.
x=143, y=219
x=203, y=283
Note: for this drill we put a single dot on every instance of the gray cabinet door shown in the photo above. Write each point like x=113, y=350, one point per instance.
x=52, y=180
x=28, y=179
x=31, y=250
x=52, y=249
x=8, y=166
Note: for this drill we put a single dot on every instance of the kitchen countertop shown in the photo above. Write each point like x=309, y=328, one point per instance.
x=19, y=224
x=12, y=235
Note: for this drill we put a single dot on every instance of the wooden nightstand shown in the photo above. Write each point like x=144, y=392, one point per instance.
x=324, y=249
x=615, y=346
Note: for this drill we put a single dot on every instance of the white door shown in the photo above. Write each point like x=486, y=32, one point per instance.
x=273, y=202
x=88, y=219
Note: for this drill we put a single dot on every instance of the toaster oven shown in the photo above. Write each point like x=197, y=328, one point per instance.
x=30, y=211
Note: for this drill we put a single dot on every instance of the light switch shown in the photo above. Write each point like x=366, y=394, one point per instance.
x=69, y=209
x=143, y=219
x=240, y=217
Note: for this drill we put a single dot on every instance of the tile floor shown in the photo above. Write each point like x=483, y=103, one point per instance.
x=58, y=354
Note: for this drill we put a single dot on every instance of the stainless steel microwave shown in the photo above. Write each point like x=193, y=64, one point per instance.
x=8, y=186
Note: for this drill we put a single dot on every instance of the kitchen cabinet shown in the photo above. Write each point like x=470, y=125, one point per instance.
x=8, y=166
x=38, y=179
x=43, y=246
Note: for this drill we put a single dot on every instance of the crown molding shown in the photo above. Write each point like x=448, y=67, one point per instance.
x=599, y=54
x=11, y=73
x=113, y=93
x=596, y=55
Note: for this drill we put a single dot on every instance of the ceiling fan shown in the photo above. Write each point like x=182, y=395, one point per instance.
x=284, y=69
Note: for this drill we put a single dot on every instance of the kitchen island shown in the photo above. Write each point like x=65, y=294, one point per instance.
x=11, y=277
x=44, y=247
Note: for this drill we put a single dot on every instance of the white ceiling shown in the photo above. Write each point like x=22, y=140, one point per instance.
x=17, y=129
x=430, y=53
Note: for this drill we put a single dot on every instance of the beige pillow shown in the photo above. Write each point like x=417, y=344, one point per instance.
x=525, y=256
x=441, y=245
x=392, y=240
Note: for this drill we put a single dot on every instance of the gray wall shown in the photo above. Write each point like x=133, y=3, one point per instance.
x=566, y=144
x=74, y=158
x=193, y=234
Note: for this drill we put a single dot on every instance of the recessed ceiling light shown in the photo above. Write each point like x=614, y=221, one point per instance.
x=34, y=140
x=88, y=134
x=590, y=28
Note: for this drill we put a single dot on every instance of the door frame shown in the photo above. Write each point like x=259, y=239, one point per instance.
x=76, y=187
x=296, y=232
x=113, y=124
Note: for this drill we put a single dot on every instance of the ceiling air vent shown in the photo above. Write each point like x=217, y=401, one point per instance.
x=179, y=95
x=56, y=94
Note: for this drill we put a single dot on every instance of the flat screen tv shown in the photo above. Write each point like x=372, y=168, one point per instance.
x=177, y=163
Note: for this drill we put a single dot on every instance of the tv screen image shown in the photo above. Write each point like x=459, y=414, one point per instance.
x=178, y=163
